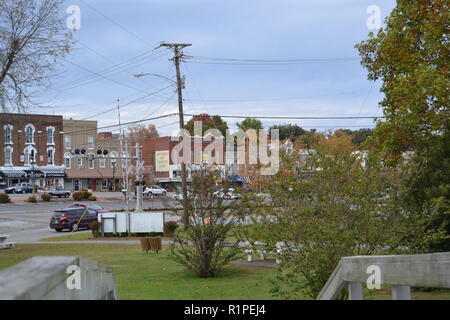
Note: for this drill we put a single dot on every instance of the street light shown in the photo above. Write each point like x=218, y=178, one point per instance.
x=140, y=75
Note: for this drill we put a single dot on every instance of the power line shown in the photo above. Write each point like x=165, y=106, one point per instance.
x=294, y=117
x=277, y=60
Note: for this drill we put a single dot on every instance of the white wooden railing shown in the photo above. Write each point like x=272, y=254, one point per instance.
x=401, y=272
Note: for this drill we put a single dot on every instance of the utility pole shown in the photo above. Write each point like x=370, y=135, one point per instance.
x=178, y=54
x=139, y=169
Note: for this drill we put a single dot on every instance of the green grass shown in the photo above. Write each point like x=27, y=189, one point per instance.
x=153, y=276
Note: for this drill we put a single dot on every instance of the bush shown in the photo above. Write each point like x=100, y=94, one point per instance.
x=95, y=228
x=46, y=197
x=92, y=198
x=169, y=228
x=32, y=199
x=82, y=195
x=4, y=198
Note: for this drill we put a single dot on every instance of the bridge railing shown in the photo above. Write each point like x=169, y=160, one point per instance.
x=401, y=272
x=58, y=278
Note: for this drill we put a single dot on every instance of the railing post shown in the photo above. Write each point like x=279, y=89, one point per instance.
x=401, y=293
x=355, y=291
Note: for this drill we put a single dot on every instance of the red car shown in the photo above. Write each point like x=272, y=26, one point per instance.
x=88, y=205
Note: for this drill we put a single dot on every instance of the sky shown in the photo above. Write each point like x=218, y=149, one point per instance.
x=117, y=39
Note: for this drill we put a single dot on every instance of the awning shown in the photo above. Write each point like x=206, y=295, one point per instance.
x=53, y=172
x=12, y=172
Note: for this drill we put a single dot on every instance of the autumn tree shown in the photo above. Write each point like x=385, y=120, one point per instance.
x=291, y=131
x=33, y=36
x=140, y=132
x=410, y=57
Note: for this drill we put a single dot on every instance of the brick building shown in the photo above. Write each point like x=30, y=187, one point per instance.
x=85, y=167
x=160, y=167
x=32, y=149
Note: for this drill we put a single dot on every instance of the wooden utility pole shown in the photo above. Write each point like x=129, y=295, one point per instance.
x=178, y=54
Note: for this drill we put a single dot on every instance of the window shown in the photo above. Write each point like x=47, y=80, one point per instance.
x=68, y=142
x=7, y=134
x=29, y=155
x=8, y=156
x=101, y=162
x=91, y=161
x=68, y=160
x=80, y=163
x=29, y=134
x=50, y=135
x=90, y=143
x=50, y=156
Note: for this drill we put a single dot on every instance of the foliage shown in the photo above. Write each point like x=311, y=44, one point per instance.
x=46, y=197
x=33, y=35
x=202, y=248
x=427, y=184
x=358, y=136
x=208, y=122
x=94, y=226
x=169, y=228
x=291, y=131
x=32, y=199
x=338, y=203
x=82, y=195
x=410, y=56
x=249, y=123
x=4, y=198
x=92, y=198
x=140, y=132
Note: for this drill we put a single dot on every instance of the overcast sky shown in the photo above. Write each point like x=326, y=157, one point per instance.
x=127, y=31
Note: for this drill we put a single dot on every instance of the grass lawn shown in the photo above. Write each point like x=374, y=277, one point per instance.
x=153, y=276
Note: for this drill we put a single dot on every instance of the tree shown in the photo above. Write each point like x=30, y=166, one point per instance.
x=203, y=248
x=337, y=203
x=208, y=122
x=33, y=36
x=249, y=123
x=140, y=132
x=291, y=131
x=410, y=56
x=358, y=136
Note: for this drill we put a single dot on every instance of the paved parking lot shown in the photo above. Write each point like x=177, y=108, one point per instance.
x=28, y=223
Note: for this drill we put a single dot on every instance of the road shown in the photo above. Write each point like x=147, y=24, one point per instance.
x=29, y=223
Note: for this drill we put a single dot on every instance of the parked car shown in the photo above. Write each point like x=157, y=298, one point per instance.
x=3, y=185
x=154, y=190
x=20, y=188
x=92, y=206
x=179, y=195
x=56, y=192
x=230, y=194
x=68, y=218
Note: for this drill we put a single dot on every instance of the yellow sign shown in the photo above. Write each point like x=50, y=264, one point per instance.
x=162, y=161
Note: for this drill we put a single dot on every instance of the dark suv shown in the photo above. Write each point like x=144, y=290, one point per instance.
x=68, y=218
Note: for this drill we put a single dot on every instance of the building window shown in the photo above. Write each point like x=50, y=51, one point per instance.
x=68, y=142
x=68, y=160
x=80, y=163
x=8, y=156
x=29, y=156
x=29, y=134
x=102, y=162
x=50, y=135
x=7, y=134
x=50, y=156
x=90, y=144
x=91, y=159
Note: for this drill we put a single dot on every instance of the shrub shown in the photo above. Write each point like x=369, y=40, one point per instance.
x=203, y=248
x=95, y=228
x=32, y=199
x=77, y=196
x=169, y=228
x=92, y=198
x=46, y=197
x=4, y=198
x=86, y=194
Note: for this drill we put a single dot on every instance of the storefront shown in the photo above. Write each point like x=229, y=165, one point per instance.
x=42, y=176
